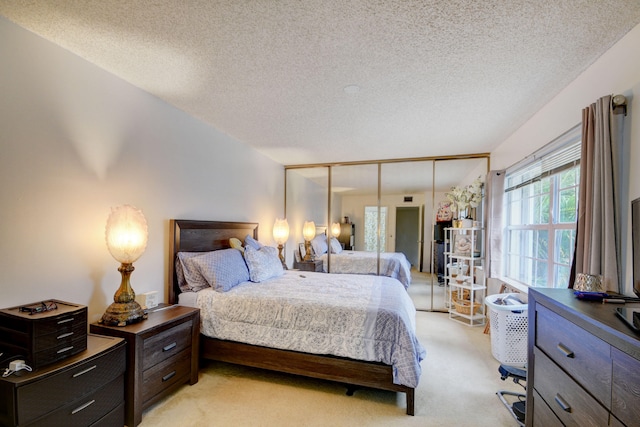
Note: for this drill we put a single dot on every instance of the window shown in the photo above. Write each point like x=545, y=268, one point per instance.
x=371, y=228
x=541, y=200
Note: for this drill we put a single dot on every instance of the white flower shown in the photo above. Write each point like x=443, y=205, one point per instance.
x=466, y=197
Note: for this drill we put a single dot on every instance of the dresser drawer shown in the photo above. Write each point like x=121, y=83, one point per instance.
x=166, y=344
x=87, y=409
x=74, y=319
x=60, y=389
x=543, y=415
x=566, y=398
x=165, y=374
x=67, y=333
x=625, y=402
x=579, y=353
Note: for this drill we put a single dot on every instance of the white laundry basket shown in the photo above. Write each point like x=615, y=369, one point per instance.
x=509, y=326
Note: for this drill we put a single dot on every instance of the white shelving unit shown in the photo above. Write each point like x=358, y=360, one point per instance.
x=464, y=275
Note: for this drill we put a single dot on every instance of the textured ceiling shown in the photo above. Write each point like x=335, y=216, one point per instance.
x=440, y=77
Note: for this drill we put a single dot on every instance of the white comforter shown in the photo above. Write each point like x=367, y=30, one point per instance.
x=392, y=264
x=361, y=317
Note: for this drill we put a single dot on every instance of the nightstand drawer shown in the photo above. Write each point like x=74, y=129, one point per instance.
x=579, y=353
x=75, y=382
x=88, y=409
x=165, y=374
x=543, y=415
x=166, y=344
x=566, y=398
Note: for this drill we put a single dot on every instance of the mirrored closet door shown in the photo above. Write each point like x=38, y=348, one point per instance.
x=382, y=206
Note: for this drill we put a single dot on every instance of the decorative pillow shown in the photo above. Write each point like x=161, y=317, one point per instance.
x=236, y=244
x=222, y=269
x=250, y=241
x=188, y=274
x=319, y=244
x=263, y=263
x=336, y=247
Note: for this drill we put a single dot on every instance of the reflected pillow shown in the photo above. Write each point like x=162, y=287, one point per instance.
x=336, y=247
x=189, y=277
x=250, y=241
x=222, y=269
x=319, y=244
x=263, y=263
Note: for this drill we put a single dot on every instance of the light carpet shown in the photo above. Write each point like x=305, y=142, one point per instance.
x=457, y=388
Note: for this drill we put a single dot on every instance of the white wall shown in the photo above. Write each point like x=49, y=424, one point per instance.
x=75, y=141
x=615, y=72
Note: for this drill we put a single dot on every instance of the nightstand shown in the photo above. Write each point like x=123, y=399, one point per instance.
x=315, y=265
x=83, y=389
x=162, y=354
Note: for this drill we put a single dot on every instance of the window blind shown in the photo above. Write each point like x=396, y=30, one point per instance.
x=561, y=154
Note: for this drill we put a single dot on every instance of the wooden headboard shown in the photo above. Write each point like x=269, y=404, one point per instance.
x=202, y=236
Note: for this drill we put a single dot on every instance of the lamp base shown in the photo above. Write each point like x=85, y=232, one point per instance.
x=123, y=314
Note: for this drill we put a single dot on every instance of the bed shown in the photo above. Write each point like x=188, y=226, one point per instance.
x=205, y=236
x=392, y=264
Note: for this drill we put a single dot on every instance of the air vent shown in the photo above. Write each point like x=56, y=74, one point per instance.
x=408, y=199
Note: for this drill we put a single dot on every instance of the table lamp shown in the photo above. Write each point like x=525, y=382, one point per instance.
x=280, y=235
x=308, y=232
x=126, y=236
x=335, y=229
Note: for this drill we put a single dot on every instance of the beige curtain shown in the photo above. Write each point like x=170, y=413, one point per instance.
x=597, y=239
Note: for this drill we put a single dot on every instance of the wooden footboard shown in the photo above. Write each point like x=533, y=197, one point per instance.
x=339, y=369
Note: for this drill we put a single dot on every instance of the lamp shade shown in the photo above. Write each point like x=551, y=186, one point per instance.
x=126, y=233
x=281, y=231
x=335, y=229
x=309, y=230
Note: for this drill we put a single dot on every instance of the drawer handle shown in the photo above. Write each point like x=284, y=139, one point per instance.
x=77, y=374
x=65, y=335
x=168, y=376
x=169, y=347
x=565, y=350
x=62, y=350
x=563, y=403
x=80, y=408
x=65, y=320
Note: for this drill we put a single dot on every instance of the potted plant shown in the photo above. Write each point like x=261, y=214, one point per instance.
x=465, y=198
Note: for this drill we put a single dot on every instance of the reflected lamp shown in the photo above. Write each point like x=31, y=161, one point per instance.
x=335, y=229
x=308, y=232
x=126, y=237
x=281, y=235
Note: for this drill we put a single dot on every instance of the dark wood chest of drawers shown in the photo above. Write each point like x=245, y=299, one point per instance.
x=44, y=338
x=86, y=389
x=584, y=363
x=162, y=355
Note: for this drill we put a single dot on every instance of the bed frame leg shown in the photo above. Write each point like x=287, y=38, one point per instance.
x=410, y=401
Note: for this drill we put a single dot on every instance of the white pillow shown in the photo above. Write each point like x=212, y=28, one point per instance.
x=223, y=269
x=263, y=263
x=250, y=241
x=189, y=277
x=336, y=247
x=319, y=244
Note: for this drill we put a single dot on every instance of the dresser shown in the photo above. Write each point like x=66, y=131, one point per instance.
x=162, y=355
x=86, y=389
x=584, y=363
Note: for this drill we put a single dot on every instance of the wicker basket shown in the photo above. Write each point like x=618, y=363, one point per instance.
x=465, y=307
x=455, y=294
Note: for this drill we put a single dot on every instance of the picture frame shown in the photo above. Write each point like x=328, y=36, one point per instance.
x=301, y=251
x=297, y=255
